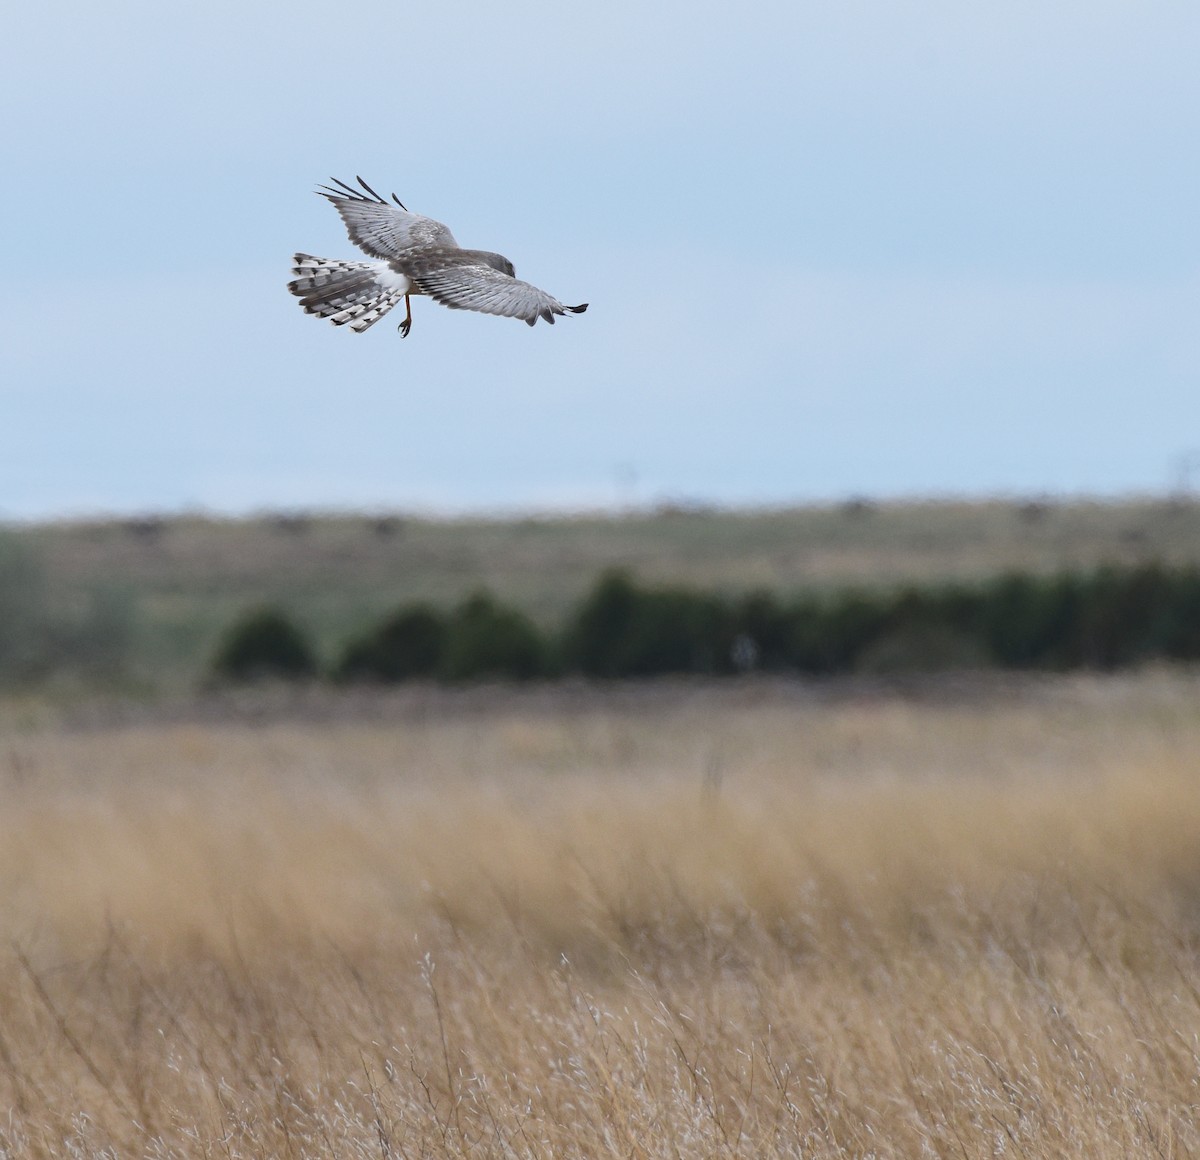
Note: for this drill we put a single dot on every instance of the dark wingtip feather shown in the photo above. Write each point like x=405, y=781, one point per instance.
x=370, y=190
x=578, y=309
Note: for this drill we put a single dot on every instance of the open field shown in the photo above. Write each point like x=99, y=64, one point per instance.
x=754, y=919
x=188, y=578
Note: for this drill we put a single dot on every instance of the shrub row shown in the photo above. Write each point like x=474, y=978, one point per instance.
x=479, y=639
x=1103, y=619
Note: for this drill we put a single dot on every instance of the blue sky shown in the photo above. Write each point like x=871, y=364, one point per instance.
x=854, y=248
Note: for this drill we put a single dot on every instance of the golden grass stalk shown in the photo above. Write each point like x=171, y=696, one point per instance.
x=744, y=922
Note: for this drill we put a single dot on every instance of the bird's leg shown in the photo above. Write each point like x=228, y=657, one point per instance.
x=406, y=325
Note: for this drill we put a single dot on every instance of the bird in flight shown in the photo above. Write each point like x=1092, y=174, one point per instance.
x=414, y=255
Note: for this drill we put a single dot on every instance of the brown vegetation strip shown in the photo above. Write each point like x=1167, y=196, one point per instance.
x=869, y=925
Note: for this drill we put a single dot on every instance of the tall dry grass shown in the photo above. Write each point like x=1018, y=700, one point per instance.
x=745, y=921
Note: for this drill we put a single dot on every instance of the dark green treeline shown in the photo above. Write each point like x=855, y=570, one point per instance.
x=1103, y=619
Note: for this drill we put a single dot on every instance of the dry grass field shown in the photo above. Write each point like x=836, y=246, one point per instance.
x=755, y=919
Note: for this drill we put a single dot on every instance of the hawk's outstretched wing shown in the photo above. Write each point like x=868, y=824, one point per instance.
x=458, y=279
x=418, y=256
x=381, y=229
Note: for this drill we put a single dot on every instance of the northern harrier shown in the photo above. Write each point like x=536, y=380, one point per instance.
x=416, y=256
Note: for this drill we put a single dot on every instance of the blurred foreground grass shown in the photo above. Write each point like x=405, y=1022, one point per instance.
x=756, y=919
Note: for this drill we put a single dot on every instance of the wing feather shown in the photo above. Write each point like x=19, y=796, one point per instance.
x=472, y=285
x=383, y=230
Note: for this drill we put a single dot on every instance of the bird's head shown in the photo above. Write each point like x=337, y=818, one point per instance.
x=501, y=263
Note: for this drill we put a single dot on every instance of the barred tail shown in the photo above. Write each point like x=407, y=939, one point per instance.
x=357, y=293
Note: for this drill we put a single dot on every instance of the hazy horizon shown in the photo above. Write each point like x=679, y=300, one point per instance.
x=648, y=508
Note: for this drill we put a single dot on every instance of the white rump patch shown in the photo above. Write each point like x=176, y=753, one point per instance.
x=388, y=279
